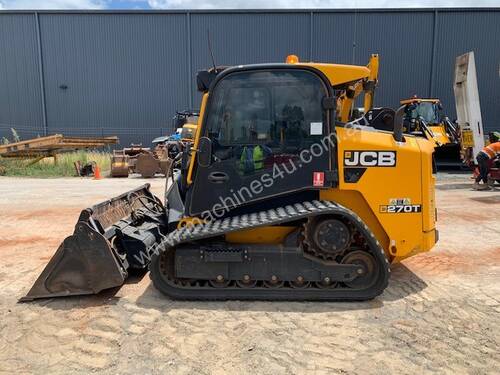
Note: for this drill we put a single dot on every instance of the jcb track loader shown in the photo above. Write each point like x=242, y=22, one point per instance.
x=278, y=199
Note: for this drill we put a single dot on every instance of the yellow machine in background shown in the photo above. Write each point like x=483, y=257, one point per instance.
x=188, y=131
x=278, y=198
x=423, y=117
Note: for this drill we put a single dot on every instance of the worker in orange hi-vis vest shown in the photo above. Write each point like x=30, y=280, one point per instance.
x=483, y=157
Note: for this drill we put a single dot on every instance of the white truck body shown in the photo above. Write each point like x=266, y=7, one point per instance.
x=467, y=100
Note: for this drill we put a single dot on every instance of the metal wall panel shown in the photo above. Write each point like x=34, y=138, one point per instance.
x=333, y=37
x=460, y=32
x=114, y=73
x=126, y=73
x=404, y=42
x=239, y=39
x=20, y=93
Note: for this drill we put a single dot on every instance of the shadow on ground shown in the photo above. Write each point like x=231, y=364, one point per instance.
x=490, y=199
x=457, y=186
x=403, y=283
x=106, y=297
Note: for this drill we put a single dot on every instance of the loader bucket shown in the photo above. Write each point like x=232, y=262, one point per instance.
x=119, y=164
x=109, y=239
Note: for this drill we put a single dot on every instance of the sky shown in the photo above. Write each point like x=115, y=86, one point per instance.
x=238, y=4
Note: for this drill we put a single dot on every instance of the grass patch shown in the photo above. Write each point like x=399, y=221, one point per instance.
x=46, y=167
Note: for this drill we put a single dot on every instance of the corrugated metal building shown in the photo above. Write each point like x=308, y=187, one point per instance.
x=127, y=72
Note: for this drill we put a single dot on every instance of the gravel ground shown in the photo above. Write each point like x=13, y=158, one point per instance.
x=440, y=313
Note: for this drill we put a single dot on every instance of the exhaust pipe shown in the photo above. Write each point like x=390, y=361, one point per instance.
x=109, y=239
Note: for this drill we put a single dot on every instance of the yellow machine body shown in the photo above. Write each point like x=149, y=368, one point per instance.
x=439, y=135
x=401, y=235
x=410, y=183
x=354, y=80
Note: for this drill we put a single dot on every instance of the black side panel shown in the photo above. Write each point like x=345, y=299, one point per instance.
x=173, y=201
x=352, y=175
x=261, y=262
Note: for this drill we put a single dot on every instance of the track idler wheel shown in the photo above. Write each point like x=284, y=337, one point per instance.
x=367, y=273
x=327, y=237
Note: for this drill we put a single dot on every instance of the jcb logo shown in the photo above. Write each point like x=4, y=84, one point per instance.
x=369, y=158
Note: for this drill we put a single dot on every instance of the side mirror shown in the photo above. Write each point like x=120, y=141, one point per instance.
x=398, y=123
x=204, y=152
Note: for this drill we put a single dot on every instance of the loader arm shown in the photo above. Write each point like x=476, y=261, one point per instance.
x=364, y=84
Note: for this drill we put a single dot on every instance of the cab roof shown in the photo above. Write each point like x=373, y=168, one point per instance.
x=337, y=74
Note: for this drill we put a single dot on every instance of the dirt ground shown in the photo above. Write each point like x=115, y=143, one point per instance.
x=440, y=313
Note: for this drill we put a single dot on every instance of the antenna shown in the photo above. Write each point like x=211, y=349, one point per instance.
x=211, y=52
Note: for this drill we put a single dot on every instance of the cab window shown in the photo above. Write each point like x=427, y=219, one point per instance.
x=264, y=117
x=428, y=111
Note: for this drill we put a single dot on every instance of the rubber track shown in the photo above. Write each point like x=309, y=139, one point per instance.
x=266, y=218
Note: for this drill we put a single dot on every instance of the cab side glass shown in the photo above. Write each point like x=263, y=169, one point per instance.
x=263, y=118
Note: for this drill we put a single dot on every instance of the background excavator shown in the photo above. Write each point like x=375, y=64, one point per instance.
x=424, y=117
x=280, y=198
x=456, y=142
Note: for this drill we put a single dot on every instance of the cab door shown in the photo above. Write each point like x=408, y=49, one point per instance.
x=269, y=136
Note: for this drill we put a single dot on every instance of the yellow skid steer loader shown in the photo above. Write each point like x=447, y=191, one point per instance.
x=278, y=199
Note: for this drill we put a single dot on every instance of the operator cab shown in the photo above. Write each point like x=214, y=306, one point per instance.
x=259, y=125
x=256, y=118
x=418, y=109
